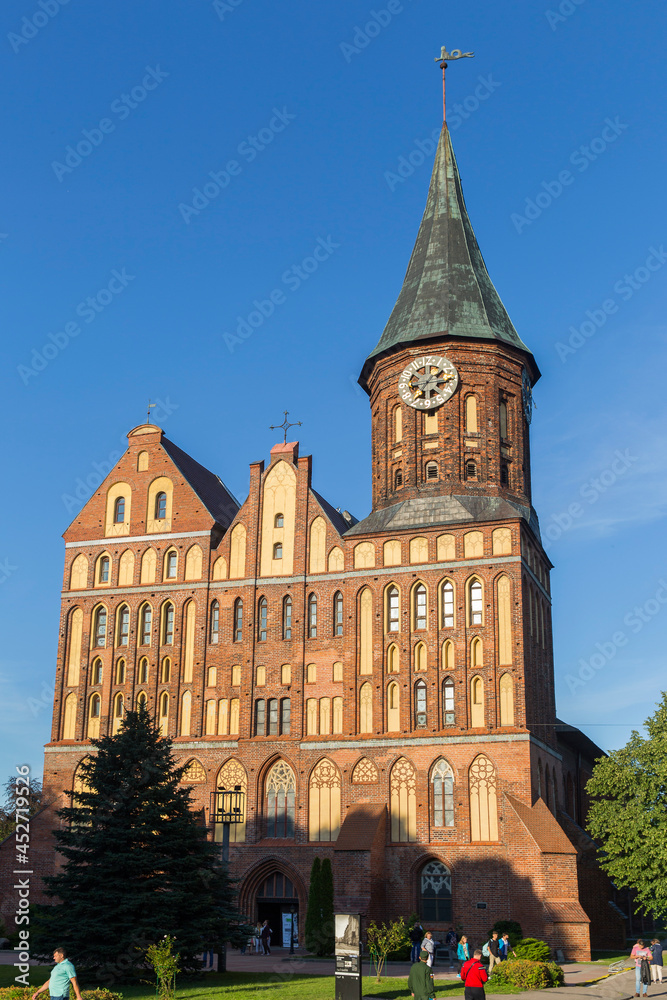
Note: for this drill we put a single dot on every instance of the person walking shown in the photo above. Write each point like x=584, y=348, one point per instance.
x=504, y=947
x=428, y=945
x=641, y=954
x=473, y=977
x=416, y=937
x=462, y=952
x=450, y=942
x=656, y=961
x=62, y=974
x=265, y=937
x=420, y=980
x=494, y=951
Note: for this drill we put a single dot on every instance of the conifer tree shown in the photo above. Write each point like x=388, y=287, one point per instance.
x=314, y=912
x=137, y=864
x=327, y=936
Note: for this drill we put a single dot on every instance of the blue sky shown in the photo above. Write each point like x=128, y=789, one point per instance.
x=305, y=115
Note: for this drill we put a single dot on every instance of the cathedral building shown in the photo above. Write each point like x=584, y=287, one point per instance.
x=380, y=690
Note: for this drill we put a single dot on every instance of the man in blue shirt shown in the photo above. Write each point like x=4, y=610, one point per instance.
x=62, y=974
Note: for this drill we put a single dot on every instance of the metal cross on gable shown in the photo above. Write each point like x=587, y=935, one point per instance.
x=285, y=426
x=444, y=58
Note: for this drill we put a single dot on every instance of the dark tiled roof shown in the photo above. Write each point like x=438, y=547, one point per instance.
x=340, y=523
x=424, y=512
x=543, y=826
x=565, y=911
x=210, y=489
x=447, y=291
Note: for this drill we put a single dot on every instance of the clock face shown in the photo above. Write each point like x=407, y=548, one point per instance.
x=527, y=395
x=428, y=382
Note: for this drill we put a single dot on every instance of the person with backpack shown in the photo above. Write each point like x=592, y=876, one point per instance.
x=493, y=951
x=473, y=977
x=642, y=957
x=420, y=980
x=656, y=962
x=416, y=935
x=462, y=952
x=450, y=942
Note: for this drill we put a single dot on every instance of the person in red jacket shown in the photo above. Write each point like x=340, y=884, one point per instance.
x=473, y=977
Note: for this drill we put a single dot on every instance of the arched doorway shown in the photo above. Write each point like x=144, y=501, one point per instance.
x=275, y=897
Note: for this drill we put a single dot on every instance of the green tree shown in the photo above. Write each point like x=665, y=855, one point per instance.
x=32, y=792
x=314, y=912
x=327, y=936
x=383, y=938
x=137, y=862
x=628, y=815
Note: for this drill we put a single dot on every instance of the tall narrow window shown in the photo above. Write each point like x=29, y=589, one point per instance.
x=504, y=474
x=392, y=659
x=172, y=562
x=119, y=510
x=421, y=657
x=279, y=521
x=280, y=801
x=393, y=708
x=124, y=626
x=143, y=670
x=477, y=720
x=471, y=415
x=164, y=713
x=471, y=470
x=100, y=626
x=260, y=717
x=366, y=709
x=238, y=620
x=398, y=425
x=145, y=623
x=105, y=564
x=393, y=609
x=431, y=471
x=447, y=604
x=338, y=613
x=442, y=781
x=118, y=712
x=287, y=618
x=436, y=892
x=96, y=672
x=483, y=800
x=476, y=603
x=215, y=622
x=285, y=716
x=403, y=802
x=168, y=627
x=261, y=619
x=420, y=606
x=94, y=713
x=398, y=478
x=506, y=700
x=448, y=715
x=142, y=702
x=273, y=716
x=420, y=705
x=503, y=419
x=160, y=506
x=312, y=616
x=324, y=802
x=165, y=672
x=120, y=672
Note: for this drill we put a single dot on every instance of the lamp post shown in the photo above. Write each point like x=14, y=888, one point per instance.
x=227, y=808
x=291, y=929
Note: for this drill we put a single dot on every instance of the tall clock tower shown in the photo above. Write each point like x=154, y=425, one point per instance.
x=450, y=380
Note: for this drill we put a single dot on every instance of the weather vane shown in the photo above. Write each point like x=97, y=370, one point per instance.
x=443, y=59
x=148, y=413
x=285, y=426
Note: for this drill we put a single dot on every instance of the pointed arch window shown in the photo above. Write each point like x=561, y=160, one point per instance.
x=287, y=618
x=506, y=700
x=119, y=510
x=338, y=613
x=145, y=624
x=168, y=623
x=420, y=705
x=120, y=671
x=476, y=653
x=448, y=604
x=280, y=801
x=312, y=616
x=238, y=620
x=232, y=776
x=96, y=672
x=403, y=799
x=366, y=708
x=483, y=800
x=393, y=609
x=420, y=614
x=215, y=622
x=442, y=783
x=123, y=625
x=118, y=713
x=165, y=672
x=324, y=802
x=477, y=720
x=476, y=603
x=143, y=671
x=421, y=657
x=160, y=506
x=448, y=713
x=392, y=659
x=262, y=612
x=100, y=626
x=94, y=715
x=104, y=570
x=164, y=713
x=393, y=708
x=448, y=655
x=142, y=702
x=436, y=892
x=171, y=564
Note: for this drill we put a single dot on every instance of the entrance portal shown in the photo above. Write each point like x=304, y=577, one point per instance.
x=275, y=898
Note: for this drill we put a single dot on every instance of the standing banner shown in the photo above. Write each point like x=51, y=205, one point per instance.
x=347, y=928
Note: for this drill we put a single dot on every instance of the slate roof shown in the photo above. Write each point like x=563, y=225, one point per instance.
x=424, y=512
x=339, y=521
x=447, y=291
x=219, y=502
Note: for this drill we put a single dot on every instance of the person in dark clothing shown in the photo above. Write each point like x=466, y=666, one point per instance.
x=266, y=937
x=473, y=977
x=420, y=980
x=451, y=942
x=494, y=951
x=656, y=960
x=416, y=935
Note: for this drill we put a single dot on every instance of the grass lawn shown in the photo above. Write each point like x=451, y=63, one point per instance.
x=264, y=985
x=607, y=957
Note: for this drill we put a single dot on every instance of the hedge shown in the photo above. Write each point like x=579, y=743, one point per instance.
x=25, y=992
x=527, y=975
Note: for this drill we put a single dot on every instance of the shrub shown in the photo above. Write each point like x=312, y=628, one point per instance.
x=556, y=973
x=533, y=950
x=510, y=927
x=523, y=974
x=25, y=992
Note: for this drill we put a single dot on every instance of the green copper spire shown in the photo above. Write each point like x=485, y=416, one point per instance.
x=447, y=291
